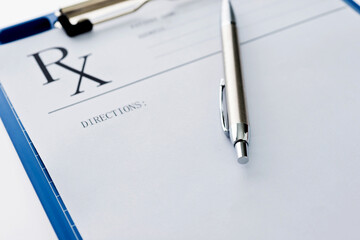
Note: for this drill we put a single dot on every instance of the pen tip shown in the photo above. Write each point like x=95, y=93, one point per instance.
x=241, y=152
x=227, y=14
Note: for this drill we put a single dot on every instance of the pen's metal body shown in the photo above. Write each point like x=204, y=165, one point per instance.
x=235, y=99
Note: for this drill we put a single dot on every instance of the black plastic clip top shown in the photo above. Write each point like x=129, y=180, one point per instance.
x=72, y=30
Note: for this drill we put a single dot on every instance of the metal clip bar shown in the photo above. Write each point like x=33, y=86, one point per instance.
x=125, y=13
x=87, y=7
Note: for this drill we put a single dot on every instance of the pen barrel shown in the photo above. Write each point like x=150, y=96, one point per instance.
x=235, y=98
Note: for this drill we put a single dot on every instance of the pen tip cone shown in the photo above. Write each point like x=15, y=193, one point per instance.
x=227, y=14
x=241, y=152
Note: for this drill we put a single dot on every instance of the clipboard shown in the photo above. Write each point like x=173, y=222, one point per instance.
x=45, y=188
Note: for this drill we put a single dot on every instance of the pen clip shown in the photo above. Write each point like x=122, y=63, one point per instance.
x=223, y=109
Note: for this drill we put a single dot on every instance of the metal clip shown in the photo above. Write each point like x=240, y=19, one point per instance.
x=223, y=109
x=81, y=11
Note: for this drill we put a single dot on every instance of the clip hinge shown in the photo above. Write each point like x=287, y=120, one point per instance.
x=81, y=12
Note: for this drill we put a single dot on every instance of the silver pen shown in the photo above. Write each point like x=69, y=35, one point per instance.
x=233, y=111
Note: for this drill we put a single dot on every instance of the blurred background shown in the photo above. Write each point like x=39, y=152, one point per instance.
x=15, y=11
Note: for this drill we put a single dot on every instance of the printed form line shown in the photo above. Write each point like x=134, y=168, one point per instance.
x=137, y=81
x=203, y=57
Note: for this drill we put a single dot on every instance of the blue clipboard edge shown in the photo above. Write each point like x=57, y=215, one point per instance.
x=35, y=169
x=27, y=29
x=44, y=186
x=353, y=4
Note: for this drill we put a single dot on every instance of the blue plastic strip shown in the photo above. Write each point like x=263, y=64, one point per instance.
x=353, y=4
x=45, y=189
x=27, y=29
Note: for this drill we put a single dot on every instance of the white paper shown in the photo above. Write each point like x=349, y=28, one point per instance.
x=165, y=170
x=22, y=216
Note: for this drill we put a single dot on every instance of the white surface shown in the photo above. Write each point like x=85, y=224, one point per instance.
x=16, y=11
x=22, y=216
x=166, y=171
